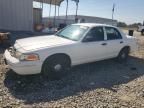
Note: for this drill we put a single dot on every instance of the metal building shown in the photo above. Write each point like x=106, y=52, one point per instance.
x=16, y=15
x=81, y=18
x=19, y=15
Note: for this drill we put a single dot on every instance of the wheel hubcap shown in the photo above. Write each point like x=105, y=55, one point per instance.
x=57, y=67
x=123, y=55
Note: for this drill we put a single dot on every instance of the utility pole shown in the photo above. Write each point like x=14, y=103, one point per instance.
x=113, y=10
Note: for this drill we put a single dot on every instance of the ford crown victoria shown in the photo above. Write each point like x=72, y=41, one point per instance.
x=75, y=44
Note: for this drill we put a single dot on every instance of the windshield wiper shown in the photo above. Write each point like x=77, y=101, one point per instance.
x=63, y=36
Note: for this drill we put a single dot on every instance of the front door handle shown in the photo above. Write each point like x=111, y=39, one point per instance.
x=121, y=42
x=104, y=44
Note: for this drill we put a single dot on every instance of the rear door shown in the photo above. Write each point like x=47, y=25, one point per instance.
x=114, y=41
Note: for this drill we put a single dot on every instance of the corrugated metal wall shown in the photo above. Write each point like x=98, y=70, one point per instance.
x=89, y=19
x=46, y=21
x=16, y=15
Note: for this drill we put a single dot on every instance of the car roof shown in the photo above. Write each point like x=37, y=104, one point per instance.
x=93, y=24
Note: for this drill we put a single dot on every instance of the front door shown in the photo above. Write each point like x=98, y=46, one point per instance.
x=93, y=46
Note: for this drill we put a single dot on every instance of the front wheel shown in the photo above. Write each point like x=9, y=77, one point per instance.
x=55, y=67
x=123, y=55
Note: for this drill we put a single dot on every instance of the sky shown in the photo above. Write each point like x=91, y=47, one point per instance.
x=129, y=11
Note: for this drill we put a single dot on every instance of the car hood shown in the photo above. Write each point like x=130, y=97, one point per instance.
x=40, y=42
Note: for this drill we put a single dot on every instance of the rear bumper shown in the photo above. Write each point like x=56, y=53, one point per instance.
x=22, y=67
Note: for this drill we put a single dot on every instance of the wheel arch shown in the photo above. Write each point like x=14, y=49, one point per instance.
x=57, y=55
x=126, y=47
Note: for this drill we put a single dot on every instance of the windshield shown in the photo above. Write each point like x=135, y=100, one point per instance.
x=73, y=32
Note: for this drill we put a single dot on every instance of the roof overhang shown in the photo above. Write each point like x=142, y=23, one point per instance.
x=53, y=2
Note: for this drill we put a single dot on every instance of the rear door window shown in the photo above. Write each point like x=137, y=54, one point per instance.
x=112, y=33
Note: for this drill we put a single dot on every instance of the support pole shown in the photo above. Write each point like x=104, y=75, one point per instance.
x=77, y=4
x=55, y=15
x=58, y=11
x=42, y=13
x=50, y=10
x=66, y=12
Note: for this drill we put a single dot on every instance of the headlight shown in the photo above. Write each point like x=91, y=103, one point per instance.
x=27, y=57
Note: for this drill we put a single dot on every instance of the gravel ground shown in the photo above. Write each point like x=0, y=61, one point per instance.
x=104, y=84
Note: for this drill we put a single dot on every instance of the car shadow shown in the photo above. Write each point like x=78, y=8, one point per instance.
x=87, y=77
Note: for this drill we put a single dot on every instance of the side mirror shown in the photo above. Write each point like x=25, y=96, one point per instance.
x=88, y=38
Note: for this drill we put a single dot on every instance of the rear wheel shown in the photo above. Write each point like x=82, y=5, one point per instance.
x=55, y=67
x=123, y=55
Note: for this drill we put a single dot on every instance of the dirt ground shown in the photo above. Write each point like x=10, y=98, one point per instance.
x=104, y=84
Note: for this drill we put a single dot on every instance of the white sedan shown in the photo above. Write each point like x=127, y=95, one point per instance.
x=76, y=44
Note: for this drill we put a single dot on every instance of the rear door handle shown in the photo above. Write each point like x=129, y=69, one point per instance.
x=121, y=42
x=104, y=44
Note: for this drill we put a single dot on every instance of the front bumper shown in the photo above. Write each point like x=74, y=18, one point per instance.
x=22, y=67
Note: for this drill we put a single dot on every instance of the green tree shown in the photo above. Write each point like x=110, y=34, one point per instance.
x=122, y=24
x=135, y=25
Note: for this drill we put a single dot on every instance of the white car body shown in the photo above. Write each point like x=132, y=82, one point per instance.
x=78, y=51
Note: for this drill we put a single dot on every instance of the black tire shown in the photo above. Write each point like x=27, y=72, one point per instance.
x=123, y=55
x=55, y=67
